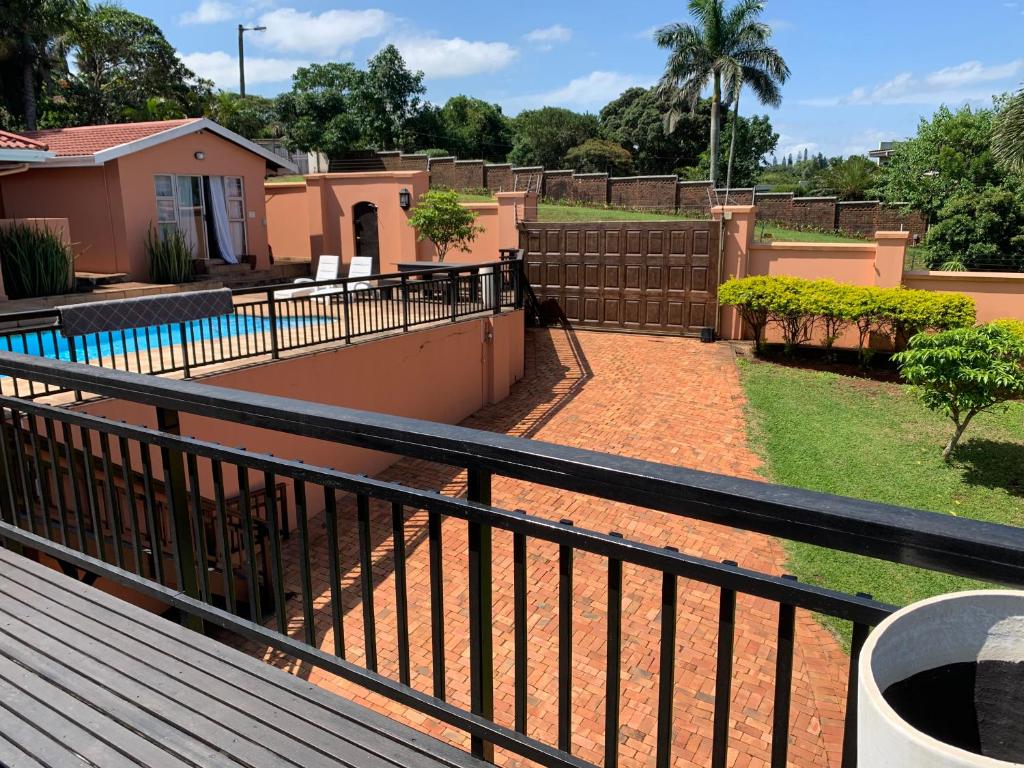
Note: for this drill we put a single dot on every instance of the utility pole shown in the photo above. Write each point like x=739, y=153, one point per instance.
x=241, y=54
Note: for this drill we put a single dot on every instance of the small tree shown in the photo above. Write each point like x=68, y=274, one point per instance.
x=965, y=371
x=439, y=218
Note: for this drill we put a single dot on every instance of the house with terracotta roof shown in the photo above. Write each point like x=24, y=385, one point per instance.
x=115, y=182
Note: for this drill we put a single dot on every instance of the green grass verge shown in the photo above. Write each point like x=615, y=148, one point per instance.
x=876, y=441
x=468, y=197
x=285, y=179
x=554, y=213
x=784, y=235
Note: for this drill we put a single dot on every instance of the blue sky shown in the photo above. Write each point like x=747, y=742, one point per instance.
x=862, y=71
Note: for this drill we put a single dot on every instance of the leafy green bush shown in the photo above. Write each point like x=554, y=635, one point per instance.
x=170, y=256
x=440, y=218
x=35, y=261
x=979, y=231
x=1009, y=324
x=798, y=306
x=965, y=371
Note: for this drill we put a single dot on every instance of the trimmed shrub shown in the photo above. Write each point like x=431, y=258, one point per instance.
x=965, y=371
x=35, y=262
x=170, y=256
x=798, y=306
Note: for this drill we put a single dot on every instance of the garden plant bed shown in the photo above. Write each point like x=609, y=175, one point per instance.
x=875, y=440
x=844, y=362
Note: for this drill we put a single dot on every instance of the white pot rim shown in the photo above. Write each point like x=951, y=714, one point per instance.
x=869, y=687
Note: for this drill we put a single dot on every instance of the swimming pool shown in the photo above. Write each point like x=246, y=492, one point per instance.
x=94, y=347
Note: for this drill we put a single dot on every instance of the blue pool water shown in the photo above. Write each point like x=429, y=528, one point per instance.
x=52, y=344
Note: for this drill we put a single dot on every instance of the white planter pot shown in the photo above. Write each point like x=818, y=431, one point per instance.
x=983, y=628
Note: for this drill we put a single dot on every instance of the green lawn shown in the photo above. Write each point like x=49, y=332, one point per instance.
x=876, y=441
x=285, y=179
x=553, y=212
x=783, y=235
x=468, y=197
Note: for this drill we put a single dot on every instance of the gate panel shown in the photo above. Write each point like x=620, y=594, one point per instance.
x=647, y=277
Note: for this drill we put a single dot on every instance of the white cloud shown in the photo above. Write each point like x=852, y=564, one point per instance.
x=322, y=35
x=222, y=68
x=956, y=84
x=546, y=37
x=589, y=92
x=454, y=57
x=210, y=12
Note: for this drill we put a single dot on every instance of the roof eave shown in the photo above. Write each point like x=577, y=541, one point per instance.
x=25, y=155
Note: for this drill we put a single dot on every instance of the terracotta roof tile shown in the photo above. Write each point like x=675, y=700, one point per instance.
x=90, y=139
x=14, y=141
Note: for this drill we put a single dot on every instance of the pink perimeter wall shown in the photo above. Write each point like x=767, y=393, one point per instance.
x=996, y=294
x=311, y=218
x=443, y=374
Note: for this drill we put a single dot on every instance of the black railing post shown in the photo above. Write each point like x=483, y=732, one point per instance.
x=183, y=330
x=453, y=287
x=519, y=280
x=177, y=502
x=496, y=281
x=275, y=352
x=347, y=312
x=73, y=354
x=481, y=652
x=405, y=302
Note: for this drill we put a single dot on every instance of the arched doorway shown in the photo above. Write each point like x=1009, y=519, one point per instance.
x=364, y=215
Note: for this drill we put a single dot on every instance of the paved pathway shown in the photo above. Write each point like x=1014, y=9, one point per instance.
x=670, y=400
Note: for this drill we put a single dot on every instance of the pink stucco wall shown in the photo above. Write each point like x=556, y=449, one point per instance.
x=441, y=374
x=996, y=294
x=110, y=207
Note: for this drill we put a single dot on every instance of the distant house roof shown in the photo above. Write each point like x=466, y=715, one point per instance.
x=98, y=144
x=21, y=149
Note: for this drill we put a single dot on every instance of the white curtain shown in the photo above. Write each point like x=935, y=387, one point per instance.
x=219, y=207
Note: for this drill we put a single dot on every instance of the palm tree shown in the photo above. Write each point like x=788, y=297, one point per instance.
x=1008, y=134
x=726, y=48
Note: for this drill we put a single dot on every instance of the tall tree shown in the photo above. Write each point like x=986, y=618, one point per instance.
x=634, y=122
x=849, y=179
x=254, y=117
x=389, y=95
x=725, y=48
x=544, y=136
x=322, y=110
x=1008, y=134
x=473, y=129
x=32, y=33
x=122, y=61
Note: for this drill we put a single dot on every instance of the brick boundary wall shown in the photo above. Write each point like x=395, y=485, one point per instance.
x=662, y=193
x=652, y=193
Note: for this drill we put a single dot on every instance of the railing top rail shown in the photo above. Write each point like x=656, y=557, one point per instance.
x=54, y=315
x=928, y=540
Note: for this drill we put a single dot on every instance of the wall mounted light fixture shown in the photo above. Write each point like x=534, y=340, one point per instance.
x=199, y=155
x=404, y=199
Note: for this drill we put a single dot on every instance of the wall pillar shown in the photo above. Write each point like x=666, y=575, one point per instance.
x=315, y=207
x=738, y=222
x=514, y=207
x=890, y=253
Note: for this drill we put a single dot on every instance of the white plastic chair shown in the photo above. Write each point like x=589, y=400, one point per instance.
x=326, y=269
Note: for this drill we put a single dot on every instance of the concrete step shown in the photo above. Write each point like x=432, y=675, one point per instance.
x=85, y=281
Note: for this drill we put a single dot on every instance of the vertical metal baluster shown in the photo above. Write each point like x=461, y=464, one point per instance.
x=110, y=501
x=519, y=623
x=405, y=302
x=565, y=557
x=128, y=476
x=723, y=674
x=613, y=679
x=347, y=310
x=666, y=668
x=481, y=648
x=366, y=578
x=401, y=591
x=276, y=565
x=860, y=635
x=223, y=536
x=8, y=471
x=334, y=570
x=27, y=491
x=42, y=481
x=154, y=525
x=183, y=329
x=245, y=510
x=76, y=489
x=198, y=528
x=58, y=488
x=138, y=357
x=177, y=503
x=783, y=683
x=436, y=602
x=90, y=493
x=149, y=346
x=124, y=351
x=308, y=619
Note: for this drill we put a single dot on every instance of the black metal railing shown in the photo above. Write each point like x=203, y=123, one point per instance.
x=270, y=320
x=59, y=466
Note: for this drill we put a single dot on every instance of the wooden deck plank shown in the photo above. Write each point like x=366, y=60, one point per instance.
x=241, y=710
x=311, y=715
x=74, y=725
x=14, y=756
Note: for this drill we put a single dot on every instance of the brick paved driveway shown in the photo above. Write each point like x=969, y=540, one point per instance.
x=666, y=399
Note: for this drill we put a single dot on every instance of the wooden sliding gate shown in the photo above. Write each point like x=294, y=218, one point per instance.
x=647, y=277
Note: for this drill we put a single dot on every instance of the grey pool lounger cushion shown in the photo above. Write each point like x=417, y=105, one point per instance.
x=119, y=314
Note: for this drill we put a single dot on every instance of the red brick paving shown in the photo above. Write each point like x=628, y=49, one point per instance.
x=665, y=399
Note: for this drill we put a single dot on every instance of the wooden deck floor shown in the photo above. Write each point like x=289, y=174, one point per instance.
x=90, y=680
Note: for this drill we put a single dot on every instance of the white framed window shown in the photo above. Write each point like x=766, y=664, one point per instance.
x=166, y=204
x=234, y=195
